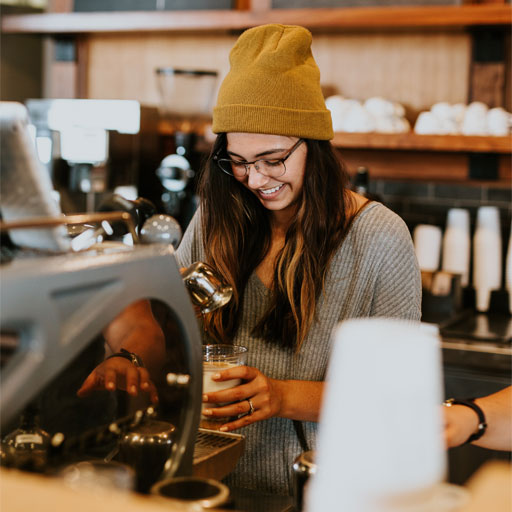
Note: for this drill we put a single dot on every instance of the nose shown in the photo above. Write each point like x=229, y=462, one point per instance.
x=254, y=178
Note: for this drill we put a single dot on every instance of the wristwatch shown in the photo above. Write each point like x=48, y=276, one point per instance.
x=482, y=424
x=131, y=356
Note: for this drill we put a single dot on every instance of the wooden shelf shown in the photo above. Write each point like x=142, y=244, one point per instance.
x=414, y=142
x=409, y=141
x=215, y=20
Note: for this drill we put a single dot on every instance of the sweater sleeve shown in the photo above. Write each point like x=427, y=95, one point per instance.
x=398, y=285
x=190, y=248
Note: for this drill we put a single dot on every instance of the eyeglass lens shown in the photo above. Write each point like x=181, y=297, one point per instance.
x=271, y=168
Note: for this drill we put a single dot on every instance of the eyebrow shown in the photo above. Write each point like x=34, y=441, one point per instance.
x=263, y=153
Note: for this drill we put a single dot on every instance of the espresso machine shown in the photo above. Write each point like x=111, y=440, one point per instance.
x=59, y=300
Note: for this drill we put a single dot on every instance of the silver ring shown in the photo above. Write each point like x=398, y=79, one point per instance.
x=251, y=407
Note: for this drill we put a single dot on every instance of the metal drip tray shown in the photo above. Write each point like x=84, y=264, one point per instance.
x=471, y=326
x=216, y=453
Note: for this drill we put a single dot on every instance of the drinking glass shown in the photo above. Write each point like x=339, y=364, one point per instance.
x=215, y=359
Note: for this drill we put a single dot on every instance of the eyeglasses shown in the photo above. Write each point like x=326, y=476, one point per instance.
x=273, y=168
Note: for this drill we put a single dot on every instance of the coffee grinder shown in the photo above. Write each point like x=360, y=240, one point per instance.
x=186, y=101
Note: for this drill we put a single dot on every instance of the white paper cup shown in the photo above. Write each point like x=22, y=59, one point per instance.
x=427, y=245
x=487, y=258
x=457, y=244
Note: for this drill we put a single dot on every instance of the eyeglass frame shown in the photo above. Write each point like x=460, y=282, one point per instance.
x=247, y=164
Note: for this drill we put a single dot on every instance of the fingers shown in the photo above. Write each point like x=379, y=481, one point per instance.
x=118, y=373
x=234, y=394
x=242, y=422
x=237, y=372
x=146, y=385
x=235, y=409
x=110, y=379
x=90, y=384
x=255, y=383
x=257, y=389
x=241, y=413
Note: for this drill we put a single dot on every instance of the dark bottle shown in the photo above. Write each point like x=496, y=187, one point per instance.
x=361, y=184
x=28, y=443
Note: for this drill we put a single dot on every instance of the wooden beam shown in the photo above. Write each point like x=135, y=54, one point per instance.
x=332, y=18
x=415, y=142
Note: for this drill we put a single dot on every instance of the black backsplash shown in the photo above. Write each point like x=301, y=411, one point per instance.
x=149, y=5
x=429, y=202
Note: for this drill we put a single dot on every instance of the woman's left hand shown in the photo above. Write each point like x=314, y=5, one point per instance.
x=257, y=389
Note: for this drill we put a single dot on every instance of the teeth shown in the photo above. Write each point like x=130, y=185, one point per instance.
x=271, y=190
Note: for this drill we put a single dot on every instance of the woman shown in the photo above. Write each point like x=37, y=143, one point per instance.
x=300, y=250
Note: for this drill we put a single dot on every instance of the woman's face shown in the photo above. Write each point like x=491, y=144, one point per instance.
x=276, y=194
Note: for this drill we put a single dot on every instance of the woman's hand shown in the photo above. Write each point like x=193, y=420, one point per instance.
x=265, y=395
x=459, y=423
x=119, y=373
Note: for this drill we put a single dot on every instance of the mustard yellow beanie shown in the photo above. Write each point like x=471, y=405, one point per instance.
x=273, y=86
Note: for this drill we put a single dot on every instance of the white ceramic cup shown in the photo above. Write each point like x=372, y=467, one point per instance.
x=497, y=122
x=457, y=244
x=427, y=245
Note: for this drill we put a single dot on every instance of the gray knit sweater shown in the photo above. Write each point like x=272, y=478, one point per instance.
x=373, y=273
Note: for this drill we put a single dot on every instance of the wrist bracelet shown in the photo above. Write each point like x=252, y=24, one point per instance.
x=482, y=424
x=133, y=358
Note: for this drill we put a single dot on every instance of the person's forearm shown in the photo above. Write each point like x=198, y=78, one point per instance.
x=498, y=415
x=148, y=343
x=300, y=400
x=136, y=330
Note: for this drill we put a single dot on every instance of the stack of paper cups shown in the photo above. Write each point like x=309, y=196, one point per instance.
x=487, y=257
x=380, y=432
x=457, y=244
x=427, y=245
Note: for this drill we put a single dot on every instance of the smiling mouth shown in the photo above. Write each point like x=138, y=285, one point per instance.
x=270, y=191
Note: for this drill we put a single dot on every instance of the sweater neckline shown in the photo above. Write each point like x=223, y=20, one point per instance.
x=264, y=291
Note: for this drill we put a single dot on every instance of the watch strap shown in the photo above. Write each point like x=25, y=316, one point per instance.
x=482, y=424
x=131, y=356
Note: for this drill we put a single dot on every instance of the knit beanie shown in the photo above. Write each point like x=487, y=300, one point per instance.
x=273, y=86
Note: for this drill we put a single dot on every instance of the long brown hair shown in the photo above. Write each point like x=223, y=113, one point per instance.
x=237, y=235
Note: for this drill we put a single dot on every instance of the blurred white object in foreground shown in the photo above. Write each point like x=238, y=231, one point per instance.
x=508, y=271
x=380, y=445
